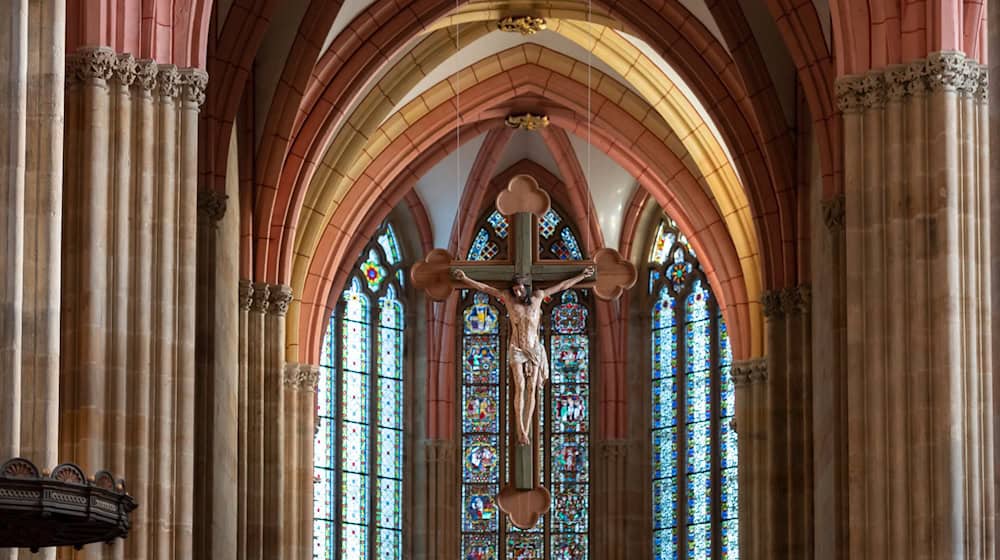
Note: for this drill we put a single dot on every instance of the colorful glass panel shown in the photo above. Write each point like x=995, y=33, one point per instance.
x=692, y=339
x=358, y=453
x=548, y=223
x=564, y=407
x=499, y=224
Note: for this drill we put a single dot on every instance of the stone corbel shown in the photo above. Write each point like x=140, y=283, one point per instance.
x=212, y=205
x=168, y=82
x=193, y=83
x=833, y=213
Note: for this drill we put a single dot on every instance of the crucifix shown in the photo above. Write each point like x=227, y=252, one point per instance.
x=607, y=274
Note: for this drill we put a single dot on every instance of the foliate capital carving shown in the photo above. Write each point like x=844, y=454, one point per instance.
x=941, y=71
x=278, y=298
x=91, y=64
x=212, y=204
x=745, y=372
x=168, y=80
x=833, y=213
x=193, y=83
x=259, y=297
x=301, y=377
x=949, y=71
x=246, y=295
x=796, y=299
x=146, y=71
x=771, y=300
x=126, y=69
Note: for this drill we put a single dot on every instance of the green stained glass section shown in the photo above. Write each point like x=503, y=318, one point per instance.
x=373, y=271
x=390, y=245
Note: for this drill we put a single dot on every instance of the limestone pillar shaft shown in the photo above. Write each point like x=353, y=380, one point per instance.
x=128, y=240
x=749, y=378
x=300, y=421
x=438, y=529
x=919, y=371
x=43, y=232
x=255, y=420
x=217, y=439
x=781, y=477
x=243, y=422
x=13, y=115
x=612, y=490
x=275, y=430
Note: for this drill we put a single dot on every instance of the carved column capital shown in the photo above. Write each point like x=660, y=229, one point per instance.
x=613, y=448
x=246, y=295
x=168, y=81
x=771, y=300
x=278, y=298
x=833, y=213
x=126, y=69
x=259, y=297
x=212, y=205
x=146, y=71
x=193, y=83
x=91, y=64
x=301, y=377
x=745, y=372
x=796, y=299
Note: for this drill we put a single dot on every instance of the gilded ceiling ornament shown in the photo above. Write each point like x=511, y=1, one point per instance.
x=527, y=121
x=525, y=25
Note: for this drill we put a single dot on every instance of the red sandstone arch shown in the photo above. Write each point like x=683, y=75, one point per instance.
x=167, y=31
x=384, y=28
x=683, y=197
x=871, y=34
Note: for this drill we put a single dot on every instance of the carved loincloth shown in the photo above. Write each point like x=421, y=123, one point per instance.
x=535, y=356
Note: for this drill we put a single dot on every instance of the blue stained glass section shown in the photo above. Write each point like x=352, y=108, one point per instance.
x=324, y=534
x=665, y=544
x=571, y=244
x=730, y=539
x=390, y=544
x=499, y=224
x=730, y=493
x=479, y=547
x=700, y=542
x=665, y=453
x=665, y=503
x=569, y=408
x=390, y=246
x=481, y=358
x=569, y=508
x=354, y=541
x=664, y=402
x=730, y=453
x=699, y=396
x=663, y=311
x=570, y=358
x=699, y=446
x=569, y=458
x=699, y=497
x=548, y=223
x=479, y=510
x=480, y=317
x=483, y=249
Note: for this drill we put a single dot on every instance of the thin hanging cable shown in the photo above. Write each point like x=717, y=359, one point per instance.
x=458, y=131
x=590, y=120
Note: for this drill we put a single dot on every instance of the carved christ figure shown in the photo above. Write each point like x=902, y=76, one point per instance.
x=526, y=356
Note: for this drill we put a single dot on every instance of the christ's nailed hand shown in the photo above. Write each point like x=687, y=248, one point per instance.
x=459, y=275
x=588, y=272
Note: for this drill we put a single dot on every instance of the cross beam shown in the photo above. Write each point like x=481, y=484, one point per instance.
x=525, y=500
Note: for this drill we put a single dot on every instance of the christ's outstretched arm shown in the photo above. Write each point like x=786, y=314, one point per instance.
x=570, y=282
x=485, y=288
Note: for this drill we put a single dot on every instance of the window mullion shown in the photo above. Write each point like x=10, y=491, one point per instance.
x=375, y=319
x=339, y=431
x=680, y=378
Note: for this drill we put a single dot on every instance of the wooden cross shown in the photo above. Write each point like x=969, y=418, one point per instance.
x=524, y=500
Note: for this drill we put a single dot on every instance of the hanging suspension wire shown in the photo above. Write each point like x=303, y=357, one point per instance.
x=590, y=120
x=458, y=131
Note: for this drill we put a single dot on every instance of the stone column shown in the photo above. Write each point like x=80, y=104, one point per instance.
x=785, y=530
x=128, y=315
x=43, y=232
x=994, y=116
x=217, y=393
x=275, y=431
x=438, y=527
x=13, y=113
x=243, y=422
x=749, y=377
x=255, y=420
x=918, y=348
x=830, y=380
x=614, y=492
x=300, y=421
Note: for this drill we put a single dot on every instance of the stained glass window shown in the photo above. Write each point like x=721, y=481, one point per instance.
x=358, y=451
x=694, y=455
x=565, y=408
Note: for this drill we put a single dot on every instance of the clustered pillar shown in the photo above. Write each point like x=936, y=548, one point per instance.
x=919, y=371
